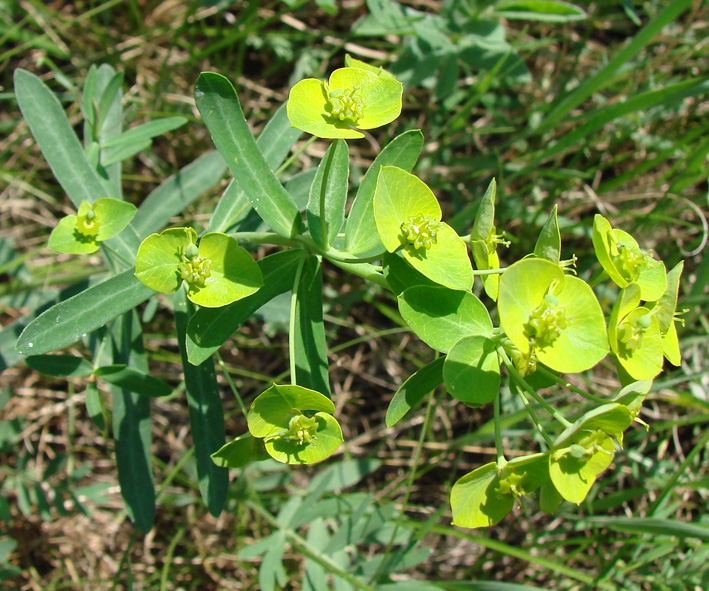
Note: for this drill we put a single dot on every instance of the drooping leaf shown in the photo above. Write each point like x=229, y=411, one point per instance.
x=239, y=452
x=416, y=386
x=472, y=371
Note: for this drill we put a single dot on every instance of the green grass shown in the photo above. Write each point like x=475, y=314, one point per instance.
x=611, y=119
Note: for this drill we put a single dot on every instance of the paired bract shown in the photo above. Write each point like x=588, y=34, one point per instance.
x=359, y=97
x=217, y=272
x=93, y=223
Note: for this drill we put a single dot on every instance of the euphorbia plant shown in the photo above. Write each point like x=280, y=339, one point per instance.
x=549, y=320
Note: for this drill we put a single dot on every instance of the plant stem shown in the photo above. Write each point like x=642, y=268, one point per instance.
x=295, y=154
x=223, y=367
x=489, y=271
x=531, y=413
x=291, y=324
x=529, y=390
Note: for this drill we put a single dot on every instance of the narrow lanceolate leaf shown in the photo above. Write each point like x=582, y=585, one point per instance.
x=131, y=426
x=219, y=105
x=60, y=365
x=414, y=389
x=206, y=414
x=275, y=141
x=210, y=327
x=654, y=526
x=328, y=194
x=177, y=192
x=310, y=348
x=308, y=332
x=68, y=321
x=548, y=11
x=402, y=151
x=132, y=380
x=56, y=138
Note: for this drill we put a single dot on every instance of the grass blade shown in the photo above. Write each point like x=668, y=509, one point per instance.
x=604, y=76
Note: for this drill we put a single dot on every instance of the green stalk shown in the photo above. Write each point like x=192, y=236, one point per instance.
x=529, y=390
x=291, y=324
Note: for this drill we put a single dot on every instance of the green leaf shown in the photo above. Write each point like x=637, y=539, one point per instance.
x=548, y=244
x=440, y=317
x=123, y=152
x=110, y=92
x=353, y=98
x=548, y=11
x=612, y=418
x=275, y=142
x=403, y=152
x=176, y=192
x=156, y=264
x=239, y=452
x=412, y=391
x=328, y=194
x=219, y=105
x=133, y=381
x=308, y=332
x=272, y=410
x=145, y=131
x=68, y=321
x=551, y=315
x=234, y=274
x=94, y=406
x=639, y=349
x=206, y=415
x=56, y=138
x=475, y=501
x=131, y=427
x=210, y=327
x=472, y=371
x=60, y=365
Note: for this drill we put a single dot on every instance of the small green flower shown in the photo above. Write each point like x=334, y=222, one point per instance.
x=634, y=334
x=353, y=98
x=585, y=449
x=217, y=272
x=408, y=219
x=93, y=223
x=295, y=424
x=621, y=257
x=550, y=317
x=484, y=496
